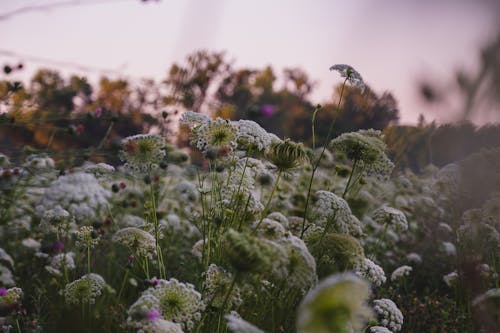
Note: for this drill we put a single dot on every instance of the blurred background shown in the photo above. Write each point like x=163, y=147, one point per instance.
x=77, y=76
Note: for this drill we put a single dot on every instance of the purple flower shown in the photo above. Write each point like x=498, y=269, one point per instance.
x=153, y=314
x=58, y=246
x=268, y=110
x=154, y=282
x=3, y=291
x=98, y=112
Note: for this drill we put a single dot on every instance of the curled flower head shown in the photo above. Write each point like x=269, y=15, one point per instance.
x=217, y=284
x=286, y=155
x=142, y=152
x=84, y=290
x=350, y=74
x=337, y=304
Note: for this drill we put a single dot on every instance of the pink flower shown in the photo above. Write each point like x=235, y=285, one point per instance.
x=153, y=314
x=98, y=112
x=268, y=110
x=3, y=291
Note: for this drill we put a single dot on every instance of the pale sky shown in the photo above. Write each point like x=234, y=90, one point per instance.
x=392, y=43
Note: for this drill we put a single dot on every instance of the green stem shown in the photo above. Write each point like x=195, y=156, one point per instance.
x=350, y=178
x=266, y=208
x=316, y=163
x=123, y=283
x=108, y=131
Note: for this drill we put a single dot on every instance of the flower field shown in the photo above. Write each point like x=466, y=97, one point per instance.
x=258, y=234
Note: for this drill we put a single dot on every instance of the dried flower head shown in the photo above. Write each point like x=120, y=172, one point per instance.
x=286, y=155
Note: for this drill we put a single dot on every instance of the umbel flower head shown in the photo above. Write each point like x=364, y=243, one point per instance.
x=286, y=155
x=389, y=314
x=142, y=152
x=390, y=216
x=84, y=290
x=217, y=284
x=367, y=148
x=330, y=209
x=371, y=271
x=215, y=138
x=336, y=305
x=137, y=240
x=10, y=297
x=176, y=301
x=350, y=74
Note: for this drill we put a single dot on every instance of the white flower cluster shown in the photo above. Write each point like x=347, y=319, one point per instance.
x=401, y=272
x=193, y=119
x=12, y=296
x=39, y=162
x=186, y=191
x=238, y=325
x=488, y=295
x=57, y=220
x=371, y=271
x=60, y=262
x=217, y=136
x=390, y=216
x=350, y=74
x=159, y=325
x=85, y=237
x=138, y=241
x=78, y=193
x=301, y=268
x=367, y=148
x=332, y=210
x=269, y=229
x=251, y=136
x=6, y=277
x=451, y=278
x=175, y=301
x=217, y=282
x=84, y=290
x=389, y=314
x=142, y=152
x=99, y=170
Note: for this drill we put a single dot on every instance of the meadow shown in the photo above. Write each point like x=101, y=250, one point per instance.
x=248, y=232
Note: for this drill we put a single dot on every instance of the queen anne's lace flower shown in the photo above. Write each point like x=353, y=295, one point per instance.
x=238, y=325
x=389, y=314
x=367, y=149
x=337, y=304
x=85, y=237
x=401, y=272
x=451, y=278
x=252, y=137
x=6, y=277
x=137, y=240
x=84, y=290
x=217, y=283
x=371, y=271
x=390, y=216
x=301, y=268
x=334, y=211
x=78, y=193
x=57, y=220
x=142, y=152
x=63, y=261
x=177, y=301
x=39, y=162
x=350, y=74
x=11, y=296
x=193, y=119
x=488, y=295
x=215, y=136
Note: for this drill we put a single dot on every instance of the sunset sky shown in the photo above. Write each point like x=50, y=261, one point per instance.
x=392, y=43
